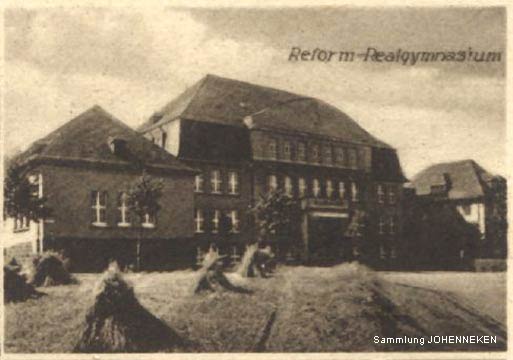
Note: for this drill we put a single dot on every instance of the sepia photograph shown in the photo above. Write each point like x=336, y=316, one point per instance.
x=266, y=179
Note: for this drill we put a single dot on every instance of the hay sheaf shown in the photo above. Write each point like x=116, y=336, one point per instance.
x=16, y=287
x=117, y=322
x=256, y=262
x=211, y=277
x=50, y=269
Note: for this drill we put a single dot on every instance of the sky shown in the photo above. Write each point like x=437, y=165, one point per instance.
x=61, y=61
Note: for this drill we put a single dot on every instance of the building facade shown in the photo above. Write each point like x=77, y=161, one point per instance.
x=475, y=198
x=84, y=170
x=247, y=140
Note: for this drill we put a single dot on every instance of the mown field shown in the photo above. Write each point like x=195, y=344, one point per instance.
x=299, y=309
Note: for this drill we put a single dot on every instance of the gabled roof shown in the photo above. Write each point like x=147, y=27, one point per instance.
x=86, y=138
x=467, y=179
x=226, y=101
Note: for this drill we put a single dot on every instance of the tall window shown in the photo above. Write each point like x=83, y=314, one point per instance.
x=351, y=153
x=327, y=157
x=301, y=151
x=380, y=193
x=215, y=221
x=329, y=188
x=302, y=187
x=198, y=183
x=233, y=181
x=148, y=221
x=124, y=216
x=288, y=186
x=234, y=215
x=342, y=190
x=316, y=187
x=381, y=225
x=354, y=192
x=272, y=183
x=199, y=220
x=339, y=156
x=272, y=148
x=99, y=208
x=315, y=153
x=287, y=153
x=392, y=225
x=216, y=181
x=392, y=198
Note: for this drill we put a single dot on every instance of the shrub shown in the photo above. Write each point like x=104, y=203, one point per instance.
x=16, y=287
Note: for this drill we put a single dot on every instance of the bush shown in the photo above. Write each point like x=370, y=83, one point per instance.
x=50, y=269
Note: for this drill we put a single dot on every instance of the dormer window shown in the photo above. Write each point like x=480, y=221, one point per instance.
x=117, y=145
x=164, y=139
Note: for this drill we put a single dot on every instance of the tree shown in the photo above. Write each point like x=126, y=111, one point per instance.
x=276, y=214
x=21, y=197
x=143, y=201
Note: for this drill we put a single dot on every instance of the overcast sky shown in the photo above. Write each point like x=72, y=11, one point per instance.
x=59, y=62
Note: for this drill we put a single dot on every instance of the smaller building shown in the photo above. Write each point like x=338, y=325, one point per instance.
x=464, y=193
x=84, y=169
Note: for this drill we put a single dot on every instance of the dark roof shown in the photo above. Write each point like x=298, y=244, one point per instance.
x=467, y=179
x=86, y=139
x=226, y=101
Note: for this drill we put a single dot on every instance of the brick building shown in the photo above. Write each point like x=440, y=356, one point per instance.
x=84, y=169
x=247, y=139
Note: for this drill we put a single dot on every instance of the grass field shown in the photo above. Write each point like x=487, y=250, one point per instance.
x=306, y=309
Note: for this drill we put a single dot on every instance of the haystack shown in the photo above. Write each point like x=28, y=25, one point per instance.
x=117, y=322
x=256, y=262
x=16, y=287
x=211, y=276
x=50, y=269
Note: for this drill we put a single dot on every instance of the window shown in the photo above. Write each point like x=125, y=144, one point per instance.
x=124, y=216
x=21, y=223
x=233, y=181
x=301, y=151
x=381, y=225
x=327, y=156
x=216, y=182
x=271, y=147
x=393, y=252
x=392, y=198
x=382, y=252
x=272, y=183
x=164, y=139
x=342, y=190
x=354, y=192
x=352, y=158
x=329, y=188
x=315, y=153
x=199, y=220
x=316, y=188
x=215, y=221
x=234, y=215
x=339, y=156
x=287, y=153
x=149, y=221
x=302, y=187
x=392, y=225
x=380, y=193
x=198, y=183
x=288, y=186
x=99, y=207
